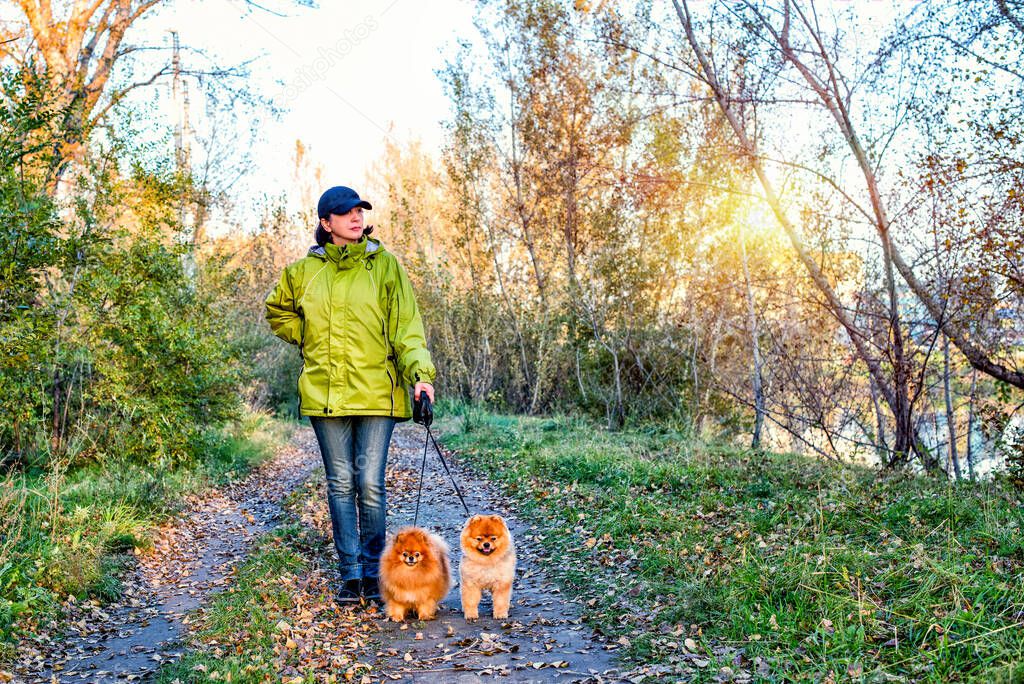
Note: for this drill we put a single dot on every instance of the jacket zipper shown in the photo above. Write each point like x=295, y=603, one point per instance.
x=298, y=380
x=330, y=328
x=387, y=344
x=387, y=351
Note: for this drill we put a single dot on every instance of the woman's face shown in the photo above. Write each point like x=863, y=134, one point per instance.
x=345, y=229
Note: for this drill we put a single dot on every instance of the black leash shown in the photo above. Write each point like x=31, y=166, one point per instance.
x=423, y=413
x=419, y=489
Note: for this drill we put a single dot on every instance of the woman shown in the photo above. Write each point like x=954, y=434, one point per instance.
x=350, y=308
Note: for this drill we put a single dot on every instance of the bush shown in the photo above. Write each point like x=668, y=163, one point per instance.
x=29, y=247
x=110, y=341
x=159, y=364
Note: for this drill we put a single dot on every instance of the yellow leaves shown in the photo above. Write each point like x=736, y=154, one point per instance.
x=536, y=665
x=594, y=541
x=352, y=672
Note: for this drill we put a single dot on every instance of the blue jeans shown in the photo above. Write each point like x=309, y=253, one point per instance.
x=355, y=451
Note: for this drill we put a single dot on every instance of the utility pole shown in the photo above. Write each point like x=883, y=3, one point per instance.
x=182, y=129
x=188, y=213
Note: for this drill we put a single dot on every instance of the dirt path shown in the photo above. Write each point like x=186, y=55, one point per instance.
x=544, y=639
x=192, y=558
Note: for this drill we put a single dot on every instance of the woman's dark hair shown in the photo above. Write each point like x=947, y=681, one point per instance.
x=321, y=236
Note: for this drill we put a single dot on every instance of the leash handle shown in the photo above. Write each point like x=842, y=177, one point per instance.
x=423, y=410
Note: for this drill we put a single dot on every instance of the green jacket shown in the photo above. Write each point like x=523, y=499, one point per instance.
x=352, y=312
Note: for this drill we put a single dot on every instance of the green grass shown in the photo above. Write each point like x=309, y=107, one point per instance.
x=70, y=533
x=815, y=567
x=278, y=620
x=238, y=627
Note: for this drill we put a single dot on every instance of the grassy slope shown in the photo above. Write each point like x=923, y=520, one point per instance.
x=811, y=568
x=69, y=533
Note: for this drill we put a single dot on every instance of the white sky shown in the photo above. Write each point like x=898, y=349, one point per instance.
x=347, y=73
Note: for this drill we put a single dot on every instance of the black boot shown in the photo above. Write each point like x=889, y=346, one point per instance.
x=349, y=592
x=369, y=588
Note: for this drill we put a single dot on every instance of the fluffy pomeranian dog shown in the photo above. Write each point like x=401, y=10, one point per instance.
x=415, y=573
x=488, y=563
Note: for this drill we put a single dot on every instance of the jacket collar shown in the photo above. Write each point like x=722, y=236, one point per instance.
x=366, y=248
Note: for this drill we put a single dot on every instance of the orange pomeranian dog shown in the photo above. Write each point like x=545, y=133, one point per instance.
x=414, y=573
x=488, y=563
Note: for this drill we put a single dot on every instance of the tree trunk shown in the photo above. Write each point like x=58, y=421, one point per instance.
x=755, y=441
x=881, y=444
x=950, y=414
x=521, y=213
x=970, y=426
x=903, y=445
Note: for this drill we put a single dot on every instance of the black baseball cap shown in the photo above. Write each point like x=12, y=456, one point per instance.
x=339, y=200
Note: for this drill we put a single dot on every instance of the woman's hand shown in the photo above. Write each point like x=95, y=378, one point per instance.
x=423, y=387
